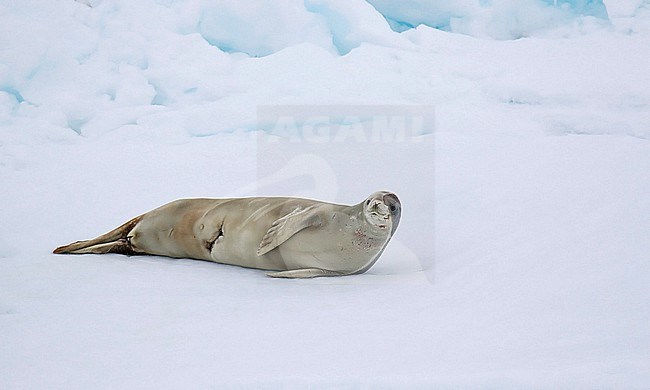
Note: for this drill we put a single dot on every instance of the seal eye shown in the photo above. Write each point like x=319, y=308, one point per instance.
x=392, y=208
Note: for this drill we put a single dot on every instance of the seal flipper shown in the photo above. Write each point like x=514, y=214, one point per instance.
x=115, y=241
x=121, y=246
x=283, y=228
x=304, y=273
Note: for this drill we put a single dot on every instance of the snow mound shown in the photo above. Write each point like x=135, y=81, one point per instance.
x=500, y=19
x=260, y=28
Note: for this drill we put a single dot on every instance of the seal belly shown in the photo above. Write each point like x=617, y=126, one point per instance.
x=240, y=241
x=341, y=245
x=245, y=222
x=170, y=230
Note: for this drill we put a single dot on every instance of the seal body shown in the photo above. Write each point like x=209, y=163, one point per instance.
x=298, y=237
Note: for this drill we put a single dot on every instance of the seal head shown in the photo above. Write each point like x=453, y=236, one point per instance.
x=383, y=210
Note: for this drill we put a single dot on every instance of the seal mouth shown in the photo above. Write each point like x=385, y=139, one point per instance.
x=383, y=210
x=378, y=212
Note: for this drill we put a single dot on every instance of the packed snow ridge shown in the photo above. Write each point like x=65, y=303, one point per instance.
x=170, y=66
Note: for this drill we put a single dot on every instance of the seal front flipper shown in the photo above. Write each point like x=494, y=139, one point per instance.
x=304, y=273
x=283, y=228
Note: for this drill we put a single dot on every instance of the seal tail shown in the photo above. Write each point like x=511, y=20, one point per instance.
x=115, y=241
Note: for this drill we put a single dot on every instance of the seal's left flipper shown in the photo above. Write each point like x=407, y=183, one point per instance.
x=283, y=228
x=304, y=273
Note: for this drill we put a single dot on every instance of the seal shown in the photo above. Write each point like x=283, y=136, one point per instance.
x=297, y=238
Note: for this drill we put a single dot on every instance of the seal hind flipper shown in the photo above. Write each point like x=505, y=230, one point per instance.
x=304, y=273
x=285, y=227
x=115, y=239
x=121, y=247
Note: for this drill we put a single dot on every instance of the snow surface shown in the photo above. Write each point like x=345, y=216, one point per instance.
x=523, y=257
